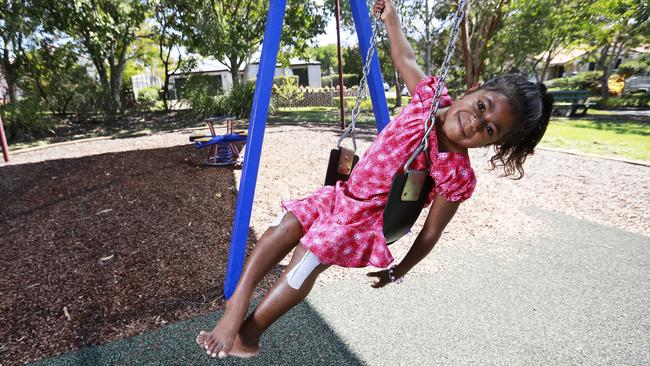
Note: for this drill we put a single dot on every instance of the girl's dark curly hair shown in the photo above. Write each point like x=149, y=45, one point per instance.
x=532, y=106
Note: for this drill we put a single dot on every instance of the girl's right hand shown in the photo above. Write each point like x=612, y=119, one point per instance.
x=382, y=278
x=384, y=7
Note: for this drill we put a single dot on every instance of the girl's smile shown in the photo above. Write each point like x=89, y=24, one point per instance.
x=480, y=118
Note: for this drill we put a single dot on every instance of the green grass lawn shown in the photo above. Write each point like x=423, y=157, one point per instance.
x=612, y=136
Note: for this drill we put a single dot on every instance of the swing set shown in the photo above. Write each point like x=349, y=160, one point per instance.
x=410, y=188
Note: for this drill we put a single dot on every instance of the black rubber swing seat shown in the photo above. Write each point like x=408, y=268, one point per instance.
x=405, y=203
x=340, y=165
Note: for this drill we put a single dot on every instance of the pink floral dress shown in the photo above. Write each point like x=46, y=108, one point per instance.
x=343, y=224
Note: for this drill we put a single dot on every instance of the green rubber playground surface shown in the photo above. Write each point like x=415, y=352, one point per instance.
x=574, y=293
x=300, y=338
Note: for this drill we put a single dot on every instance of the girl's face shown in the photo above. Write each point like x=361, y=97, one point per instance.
x=480, y=118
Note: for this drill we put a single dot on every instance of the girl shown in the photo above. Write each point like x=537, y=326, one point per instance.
x=342, y=224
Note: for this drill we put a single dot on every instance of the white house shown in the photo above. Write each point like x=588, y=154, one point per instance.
x=575, y=60
x=308, y=72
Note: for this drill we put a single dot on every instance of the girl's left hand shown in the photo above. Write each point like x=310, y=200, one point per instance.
x=382, y=278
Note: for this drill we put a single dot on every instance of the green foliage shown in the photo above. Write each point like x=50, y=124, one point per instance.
x=636, y=67
x=283, y=80
x=202, y=97
x=352, y=63
x=288, y=93
x=57, y=78
x=586, y=80
x=106, y=29
x=148, y=97
x=533, y=30
x=326, y=55
x=232, y=33
x=239, y=101
x=206, y=101
x=366, y=103
x=26, y=120
x=349, y=80
x=630, y=100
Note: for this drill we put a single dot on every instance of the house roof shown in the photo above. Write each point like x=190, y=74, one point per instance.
x=567, y=55
x=210, y=65
x=642, y=48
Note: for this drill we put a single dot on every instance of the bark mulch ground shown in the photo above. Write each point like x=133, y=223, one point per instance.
x=108, y=246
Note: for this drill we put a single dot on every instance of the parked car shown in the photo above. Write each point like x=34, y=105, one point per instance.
x=386, y=86
x=636, y=84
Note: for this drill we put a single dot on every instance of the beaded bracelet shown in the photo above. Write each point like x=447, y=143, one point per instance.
x=391, y=276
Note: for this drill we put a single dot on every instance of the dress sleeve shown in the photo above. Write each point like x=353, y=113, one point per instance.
x=459, y=186
x=426, y=89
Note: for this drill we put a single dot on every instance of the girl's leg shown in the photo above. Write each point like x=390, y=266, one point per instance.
x=274, y=245
x=277, y=302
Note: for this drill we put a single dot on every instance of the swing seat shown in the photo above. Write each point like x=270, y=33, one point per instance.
x=340, y=165
x=405, y=202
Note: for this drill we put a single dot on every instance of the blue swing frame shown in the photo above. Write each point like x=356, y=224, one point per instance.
x=259, y=112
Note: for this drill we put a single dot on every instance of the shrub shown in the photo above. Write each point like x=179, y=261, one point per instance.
x=631, y=100
x=287, y=94
x=26, y=120
x=636, y=67
x=239, y=101
x=283, y=80
x=366, y=103
x=586, y=80
x=204, y=100
x=615, y=84
x=147, y=98
x=349, y=80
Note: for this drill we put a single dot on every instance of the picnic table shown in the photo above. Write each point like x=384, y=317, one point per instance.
x=570, y=103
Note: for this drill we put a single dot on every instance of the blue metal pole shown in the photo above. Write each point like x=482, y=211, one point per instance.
x=361, y=17
x=256, y=126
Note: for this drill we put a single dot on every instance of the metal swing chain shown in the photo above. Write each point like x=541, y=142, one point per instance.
x=442, y=75
x=362, y=84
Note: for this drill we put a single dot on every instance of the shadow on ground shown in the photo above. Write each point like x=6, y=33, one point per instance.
x=301, y=337
x=107, y=246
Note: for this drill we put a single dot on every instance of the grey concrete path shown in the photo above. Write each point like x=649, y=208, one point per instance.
x=576, y=294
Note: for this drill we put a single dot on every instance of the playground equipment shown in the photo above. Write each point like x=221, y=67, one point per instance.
x=406, y=183
x=5, y=147
x=259, y=111
x=224, y=149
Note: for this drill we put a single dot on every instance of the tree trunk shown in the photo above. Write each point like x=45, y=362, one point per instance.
x=467, y=54
x=602, y=65
x=235, y=63
x=428, y=64
x=10, y=76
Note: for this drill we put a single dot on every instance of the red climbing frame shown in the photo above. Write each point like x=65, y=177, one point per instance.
x=5, y=147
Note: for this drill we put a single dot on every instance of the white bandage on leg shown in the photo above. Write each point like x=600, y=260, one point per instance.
x=278, y=219
x=302, y=270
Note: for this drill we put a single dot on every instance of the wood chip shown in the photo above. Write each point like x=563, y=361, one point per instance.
x=106, y=258
x=67, y=314
x=104, y=211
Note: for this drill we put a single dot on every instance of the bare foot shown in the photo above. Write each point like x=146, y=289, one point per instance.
x=245, y=346
x=220, y=340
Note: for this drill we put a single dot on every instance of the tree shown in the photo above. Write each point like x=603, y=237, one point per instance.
x=17, y=24
x=55, y=76
x=619, y=24
x=232, y=30
x=326, y=55
x=535, y=33
x=168, y=18
x=105, y=30
x=478, y=26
